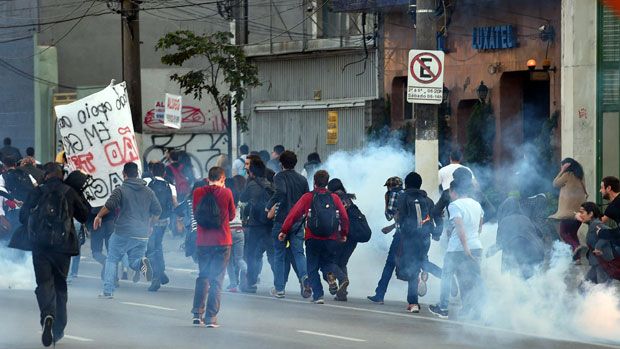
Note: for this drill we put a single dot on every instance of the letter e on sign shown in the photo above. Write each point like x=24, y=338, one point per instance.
x=425, y=76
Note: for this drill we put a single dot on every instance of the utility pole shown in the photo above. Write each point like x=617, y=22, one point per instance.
x=239, y=28
x=130, y=31
x=425, y=115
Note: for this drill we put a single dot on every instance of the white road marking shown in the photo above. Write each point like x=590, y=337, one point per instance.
x=408, y=315
x=148, y=306
x=332, y=336
x=79, y=339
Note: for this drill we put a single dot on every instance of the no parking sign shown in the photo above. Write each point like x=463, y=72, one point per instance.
x=425, y=81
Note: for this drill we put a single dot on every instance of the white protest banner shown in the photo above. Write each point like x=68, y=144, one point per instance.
x=172, y=115
x=98, y=138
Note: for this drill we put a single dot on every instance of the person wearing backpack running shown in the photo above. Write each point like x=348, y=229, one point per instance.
x=48, y=212
x=138, y=208
x=326, y=228
x=417, y=223
x=257, y=192
x=214, y=209
x=166, y=194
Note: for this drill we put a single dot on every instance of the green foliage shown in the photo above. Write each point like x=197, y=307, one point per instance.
x=480, y=136
x=223, y=66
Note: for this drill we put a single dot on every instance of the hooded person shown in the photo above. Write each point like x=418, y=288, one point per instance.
x=517, y=238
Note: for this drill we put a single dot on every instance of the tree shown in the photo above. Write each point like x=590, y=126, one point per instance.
x=224, y=66
x=480, y=135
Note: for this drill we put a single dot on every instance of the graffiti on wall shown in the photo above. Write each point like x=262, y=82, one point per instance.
x=203, y=149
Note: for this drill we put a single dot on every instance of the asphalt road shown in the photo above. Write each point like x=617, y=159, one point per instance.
x=136, y=318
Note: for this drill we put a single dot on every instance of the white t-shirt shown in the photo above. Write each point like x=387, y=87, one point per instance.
x=238, y=166
x=173, y=189
x=446, y=175
x=470, y=211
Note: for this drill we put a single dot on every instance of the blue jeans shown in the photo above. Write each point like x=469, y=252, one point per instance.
x=155, y=251
x=212, y=261
x=118, y=246
x=296, y=240
x=467, y=272
x=237, y=264
x=388, y=269
x=259, y=241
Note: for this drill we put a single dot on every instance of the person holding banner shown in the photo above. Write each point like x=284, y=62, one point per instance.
x=138, y=208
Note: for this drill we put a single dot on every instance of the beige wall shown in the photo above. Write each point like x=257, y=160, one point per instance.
x=578, y=124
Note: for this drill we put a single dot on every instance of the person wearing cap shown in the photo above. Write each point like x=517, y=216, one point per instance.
x=394, y=189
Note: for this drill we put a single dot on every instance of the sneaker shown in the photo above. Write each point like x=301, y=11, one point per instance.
x=146, y=269
x=47, y=338
x=375, y=299
x=249, y=289
x=333, y=285
x=277, y=294
x=155, y=285
x=340, y=298
x=105, y=296
x=306, y=290
x=413, y=308
x=318, y=301
x=422, y=289
x=436, y=309
x=232, y=289
x=454, y=287
x=342, y=290
x=213, y=325
x=164, y=279
x=197, y=321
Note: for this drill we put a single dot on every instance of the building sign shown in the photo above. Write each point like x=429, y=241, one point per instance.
x=494, y=38
x=365, y=5
x=425, y=77
x=332, y=127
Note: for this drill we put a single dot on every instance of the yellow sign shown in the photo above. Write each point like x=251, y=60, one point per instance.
x=332, y=127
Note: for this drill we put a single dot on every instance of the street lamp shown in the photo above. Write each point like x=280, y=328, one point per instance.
x=483, y=92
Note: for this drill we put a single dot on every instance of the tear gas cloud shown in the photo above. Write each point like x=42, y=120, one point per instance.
x=548, y=304
x=16, y=270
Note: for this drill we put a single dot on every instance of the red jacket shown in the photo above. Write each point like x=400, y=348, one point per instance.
x=301, y=209
x=224, y=198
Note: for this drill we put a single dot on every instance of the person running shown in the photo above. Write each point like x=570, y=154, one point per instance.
x=138, y=207
x=417, y=224
x=463, y=253
x=394, y=190
x=572, y=193
x=214, y=209
x=327, y=226
x=259, y=242
x=166, y=194
x=48, y=212
x=290, y=186
x=345, y=250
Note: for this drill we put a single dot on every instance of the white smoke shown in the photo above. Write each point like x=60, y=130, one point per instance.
x=548, y=304
x=16, y=271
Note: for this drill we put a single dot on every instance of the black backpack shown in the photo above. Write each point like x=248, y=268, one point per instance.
x=359, y=230
x=18, y=183
x=49, y=224
x=164, y=196
x=417, y=218
x=208, y=213
x=257, y=209
x=323, y=218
